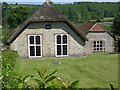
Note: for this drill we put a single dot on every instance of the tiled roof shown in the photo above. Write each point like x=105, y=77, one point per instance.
x=90, y=26
x=97, y=28
x=86, y=27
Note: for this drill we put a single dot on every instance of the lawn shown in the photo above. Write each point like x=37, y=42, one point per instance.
x=107, y=19
x=96, y=70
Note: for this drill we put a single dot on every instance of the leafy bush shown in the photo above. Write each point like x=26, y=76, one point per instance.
x=44, y=78
x=9, y=58
x=69, y=84
x=50, y=80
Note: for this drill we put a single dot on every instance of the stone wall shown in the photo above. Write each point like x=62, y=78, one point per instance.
x=109, y=41
x=75, y=43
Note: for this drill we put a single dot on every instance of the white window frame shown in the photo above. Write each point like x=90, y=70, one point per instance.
x=34, y=46
x=98, y=43
x=61, y=45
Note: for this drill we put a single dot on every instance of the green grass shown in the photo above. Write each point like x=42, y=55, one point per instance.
x=96, y=70
x=108, y=28
x=107, y=19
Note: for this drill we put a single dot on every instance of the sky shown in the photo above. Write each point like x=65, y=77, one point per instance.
x=59, y=0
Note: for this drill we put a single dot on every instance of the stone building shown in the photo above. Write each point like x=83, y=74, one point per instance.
x=98, y=39
x=48, y=33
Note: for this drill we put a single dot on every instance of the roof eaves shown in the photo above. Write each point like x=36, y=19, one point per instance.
x=76, y=29
x=17, y=31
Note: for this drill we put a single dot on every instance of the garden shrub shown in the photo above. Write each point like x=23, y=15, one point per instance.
x=9, y=58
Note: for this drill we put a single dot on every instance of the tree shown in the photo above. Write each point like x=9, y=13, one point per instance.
x=116, y=28
x=116, y=24
x=17, y=16
x=5, y=12
x=5, y=6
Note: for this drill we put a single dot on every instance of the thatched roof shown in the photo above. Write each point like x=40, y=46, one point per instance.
x=46, y=13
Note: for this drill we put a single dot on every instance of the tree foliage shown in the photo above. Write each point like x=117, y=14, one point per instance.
x=9, y=58
x=88, y=10
x=17, y=16
x=116, y=28
x=6, y=9
x=116, y=24
x=77, y=12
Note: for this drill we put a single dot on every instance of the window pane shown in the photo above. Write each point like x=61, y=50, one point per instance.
x=97, y=49
x=58, y=49
x=94, y=45
x=32, y=51
x=37, y=39
x=101, y=49
x=97, y=45
x=95, y=42
x=31, y=39
x=58, y=39
x=64, y=49
x=100, y=42
x=38, y=51
x=64, y=39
